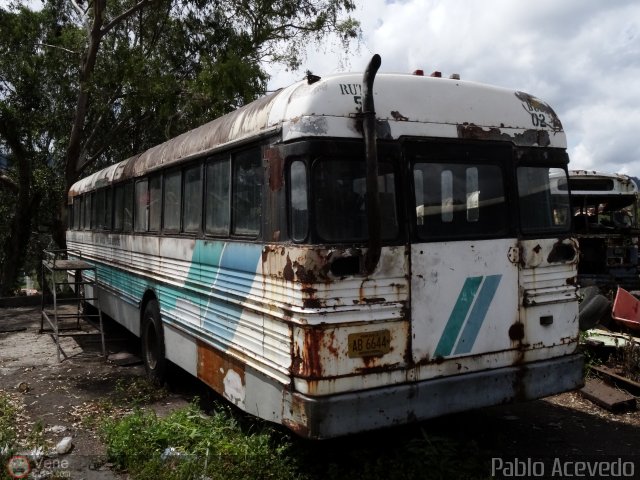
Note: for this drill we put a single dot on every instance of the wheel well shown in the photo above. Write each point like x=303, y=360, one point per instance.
x=147, y=297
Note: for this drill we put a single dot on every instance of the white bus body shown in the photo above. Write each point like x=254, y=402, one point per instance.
x=473, y=300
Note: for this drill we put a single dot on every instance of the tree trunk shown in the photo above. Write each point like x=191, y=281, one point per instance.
x=16, y=244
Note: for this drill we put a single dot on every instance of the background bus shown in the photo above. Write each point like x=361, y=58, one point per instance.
x=606, y=226
x=241, y=252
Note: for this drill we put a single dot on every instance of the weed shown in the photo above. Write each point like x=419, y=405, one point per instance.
x=138, y=391
x=189, y=444
x=8, y=414
x=8, y=433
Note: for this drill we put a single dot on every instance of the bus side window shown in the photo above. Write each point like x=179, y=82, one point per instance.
x=155, y=202
x=299, y=201
x=77, y=211
x=217, y=202
x=94, y=214
x=108, y=208
x=172, y=200
x=247, y=190
x=141, y=219
x=118, y=207
x=192, y=206
x=87, y=212
x=98, y=206
x=128, y=207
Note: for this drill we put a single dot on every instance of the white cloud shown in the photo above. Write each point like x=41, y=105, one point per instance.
x=581, y=56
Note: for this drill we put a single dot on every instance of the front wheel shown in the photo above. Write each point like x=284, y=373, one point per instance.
x=153, y=343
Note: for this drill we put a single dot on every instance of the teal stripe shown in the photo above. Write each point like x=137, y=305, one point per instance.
x=457, y=317
x=478, y=314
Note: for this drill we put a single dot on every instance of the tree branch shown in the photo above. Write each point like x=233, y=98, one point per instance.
x=8, y=183
x=56, y=46
x=107, y=28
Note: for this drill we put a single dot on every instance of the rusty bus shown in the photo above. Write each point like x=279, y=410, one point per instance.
x=344, y=255
x=606, y=227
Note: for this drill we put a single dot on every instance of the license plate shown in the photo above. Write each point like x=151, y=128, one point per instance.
x=369, y=344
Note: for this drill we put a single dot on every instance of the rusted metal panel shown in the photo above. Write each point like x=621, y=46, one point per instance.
x=222, y=372
x=529, y=137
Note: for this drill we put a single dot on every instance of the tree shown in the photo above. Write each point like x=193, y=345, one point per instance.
x=114, y=77
x=32, y=51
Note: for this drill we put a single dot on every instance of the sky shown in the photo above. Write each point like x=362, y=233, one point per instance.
x=580, y=56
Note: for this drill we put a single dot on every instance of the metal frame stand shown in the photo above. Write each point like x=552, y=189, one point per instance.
x=57, y=263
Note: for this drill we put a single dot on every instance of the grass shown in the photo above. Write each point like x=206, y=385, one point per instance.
x=188, y=444
x=8, y=432
x=8, y=415
x=226, y=444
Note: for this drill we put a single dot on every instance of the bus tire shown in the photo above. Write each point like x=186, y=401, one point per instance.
x=155, y=363
x=593, y=311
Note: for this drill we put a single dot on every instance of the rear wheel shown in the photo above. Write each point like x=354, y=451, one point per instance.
x=153, y=357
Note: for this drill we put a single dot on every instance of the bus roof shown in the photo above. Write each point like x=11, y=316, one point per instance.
x=406, y=105
x=593, y=183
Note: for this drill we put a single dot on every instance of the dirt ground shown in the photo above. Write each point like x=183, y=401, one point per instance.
x=60, y=396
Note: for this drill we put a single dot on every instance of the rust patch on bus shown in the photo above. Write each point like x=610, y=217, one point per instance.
x=275, y=166
x=516, y=332
x=563, y=252
x=470, y=131
x=307, y=363
x=214, y=365
x=287, y=272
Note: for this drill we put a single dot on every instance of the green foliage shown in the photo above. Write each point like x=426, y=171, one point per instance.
x=195, y=446
x=8, y=416
x=138, y=391
x=170, y=66
x=222, y=446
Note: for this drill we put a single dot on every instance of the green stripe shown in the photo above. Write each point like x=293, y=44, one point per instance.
x=457, y=317
x=478, y=314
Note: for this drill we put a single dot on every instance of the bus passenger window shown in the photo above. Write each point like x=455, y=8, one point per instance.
x=217, y=198
x=128, y=207
x=94, y=224
x=192, y=206
x=108, y=208
x=299, y=201
x=141, y=220
x=87, y=212
x=247, y=188
x=77, y=210
x=118, y=207
x=172, y=199
x=155, y=203
x=98, y=220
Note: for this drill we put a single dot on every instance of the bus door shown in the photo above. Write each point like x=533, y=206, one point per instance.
x=464, y=263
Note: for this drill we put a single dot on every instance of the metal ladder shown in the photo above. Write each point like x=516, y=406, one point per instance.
x=57, y=268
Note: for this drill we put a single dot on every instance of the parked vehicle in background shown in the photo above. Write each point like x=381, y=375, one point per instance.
x=318, y=284
x=605, y=208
